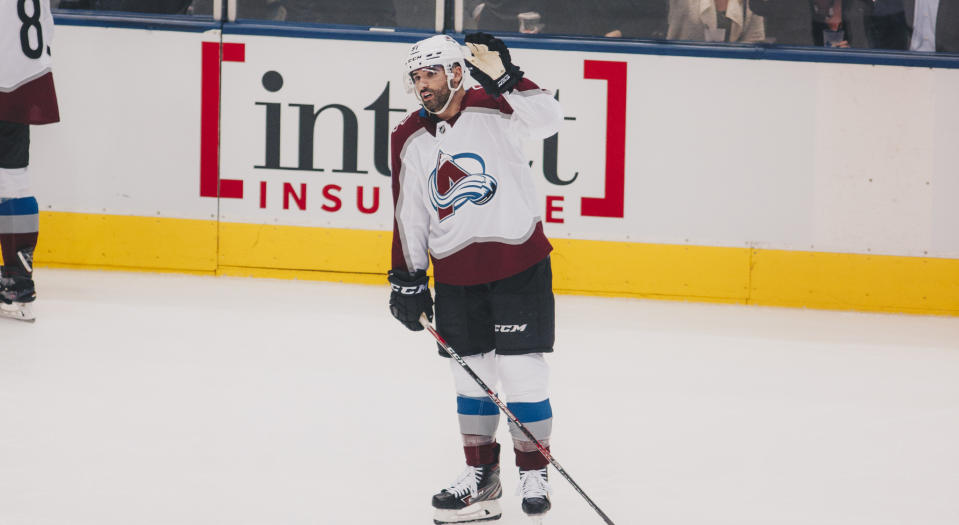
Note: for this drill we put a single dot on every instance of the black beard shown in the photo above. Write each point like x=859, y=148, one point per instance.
x=438, y=101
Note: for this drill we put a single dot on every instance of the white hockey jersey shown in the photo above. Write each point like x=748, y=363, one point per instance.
x=463, y=190
x=26, y=83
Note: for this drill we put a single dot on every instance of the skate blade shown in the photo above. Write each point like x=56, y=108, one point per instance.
x=482, y=511
x=18, y=312
x=536, y=519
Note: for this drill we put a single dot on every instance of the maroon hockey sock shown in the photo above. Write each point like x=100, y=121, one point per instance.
x=482, y=454
x=11, y=243
x=530, y=460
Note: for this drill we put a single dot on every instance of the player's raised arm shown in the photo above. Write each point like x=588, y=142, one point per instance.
x=536, y=113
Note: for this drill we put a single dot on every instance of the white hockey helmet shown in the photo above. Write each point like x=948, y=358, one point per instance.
x=438, y=50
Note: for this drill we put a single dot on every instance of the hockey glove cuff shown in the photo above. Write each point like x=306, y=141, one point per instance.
x=410, y=297
x=490, y=64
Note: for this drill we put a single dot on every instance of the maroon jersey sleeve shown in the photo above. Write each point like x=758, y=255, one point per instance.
x=404, y=252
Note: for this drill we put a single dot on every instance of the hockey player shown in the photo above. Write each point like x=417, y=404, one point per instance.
x=27, y=97
x=464, y=197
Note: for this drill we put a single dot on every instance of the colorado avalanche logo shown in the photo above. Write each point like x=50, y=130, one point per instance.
x=452, y=184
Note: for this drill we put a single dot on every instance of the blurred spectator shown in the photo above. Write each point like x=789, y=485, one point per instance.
x=934, y=23
x=419, y=14
x=130, y=6
x=714, y=21
x=947, y=26
x=356, y=12
x=609, y=18
x=829, y=22
x=886, y=25
x=854, y=13
x=503, y=15
x=471, y=10
x=256, y=9
x=787, y=22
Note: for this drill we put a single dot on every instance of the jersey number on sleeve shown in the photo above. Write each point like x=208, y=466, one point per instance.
x=28, y=22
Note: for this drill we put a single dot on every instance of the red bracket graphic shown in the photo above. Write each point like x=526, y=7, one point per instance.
x=611, y=204
x=210, y=121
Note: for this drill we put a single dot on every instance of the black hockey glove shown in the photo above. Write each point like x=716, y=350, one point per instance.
x=410, y=297
x=490, y=64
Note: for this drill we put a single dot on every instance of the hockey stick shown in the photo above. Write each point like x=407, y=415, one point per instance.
x=509, y=415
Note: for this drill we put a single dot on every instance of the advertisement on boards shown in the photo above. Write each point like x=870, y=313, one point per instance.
x=694, y=176
x=304, y=137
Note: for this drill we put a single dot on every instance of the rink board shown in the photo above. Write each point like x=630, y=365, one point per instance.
x=660, y=271
x=254, y=152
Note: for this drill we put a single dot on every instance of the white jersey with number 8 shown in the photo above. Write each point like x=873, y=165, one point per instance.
x=26, y=32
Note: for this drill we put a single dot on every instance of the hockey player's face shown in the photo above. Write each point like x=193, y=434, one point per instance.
x=430, y=84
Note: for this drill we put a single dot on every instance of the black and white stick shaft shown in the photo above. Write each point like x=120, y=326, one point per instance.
x=509, y=415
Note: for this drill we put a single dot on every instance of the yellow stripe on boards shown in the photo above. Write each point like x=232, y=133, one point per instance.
x=302, y=248
x=697, y=273
x=151, y=243
x=651, y=270
x=849, y=281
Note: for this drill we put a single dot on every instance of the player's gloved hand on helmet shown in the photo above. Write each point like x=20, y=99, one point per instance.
x=410, y=297
x=490, y=64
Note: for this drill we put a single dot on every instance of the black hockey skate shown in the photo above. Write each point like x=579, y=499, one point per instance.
x=17, y=292
x=471, y=498
x=534, y=488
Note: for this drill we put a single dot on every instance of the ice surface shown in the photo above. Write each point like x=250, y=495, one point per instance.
x=143, y=399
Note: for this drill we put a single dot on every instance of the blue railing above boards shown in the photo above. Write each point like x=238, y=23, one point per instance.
x=561, y=43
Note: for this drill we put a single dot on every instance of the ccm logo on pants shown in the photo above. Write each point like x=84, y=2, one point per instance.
x=509, y=328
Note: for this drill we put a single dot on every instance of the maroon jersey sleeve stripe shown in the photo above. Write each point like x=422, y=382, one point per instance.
x=525, y=84
x=32, y=103
x=477, y=98
x=398, y=139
